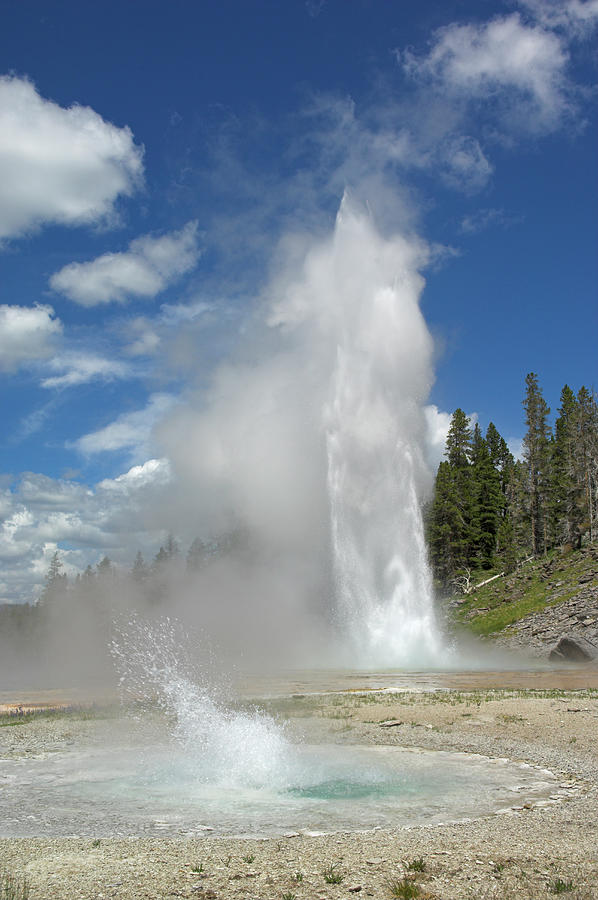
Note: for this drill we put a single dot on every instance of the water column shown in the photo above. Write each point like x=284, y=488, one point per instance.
x=374, y=432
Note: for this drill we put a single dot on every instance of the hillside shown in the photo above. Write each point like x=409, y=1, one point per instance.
x=532, y=608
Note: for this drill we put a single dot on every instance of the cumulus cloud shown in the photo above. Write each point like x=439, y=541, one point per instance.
x=59, y=165
x=515, y=68
x=27, y=334
x=437, y=426
x=80, y=368
x=148, y=266
x=130, y=431
x=40, y=514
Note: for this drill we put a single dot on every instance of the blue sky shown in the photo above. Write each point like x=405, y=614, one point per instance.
x=155, y=158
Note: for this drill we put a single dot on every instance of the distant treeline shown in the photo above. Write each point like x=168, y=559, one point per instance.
x=491, y=510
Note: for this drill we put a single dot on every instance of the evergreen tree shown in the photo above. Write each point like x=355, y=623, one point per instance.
x=458, y=441
x=446, y=528
x=55, y=583
x=196, y=556
x=487, y=502
x=567, y=492
x=139, y=572
x=536, y=452
x=586, y=449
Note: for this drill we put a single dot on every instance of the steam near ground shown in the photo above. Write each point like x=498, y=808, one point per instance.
x=310, y=444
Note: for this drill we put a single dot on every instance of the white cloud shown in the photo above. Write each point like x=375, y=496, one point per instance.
x=488, y=218
x=154, y=471
x=118, y=516
x=130, y=431
x=516, y=68
x=146, y=268
x=577, y=17
x=59, y=165
x=80, y=368
x=175, y=313
x=463, y=163
x=437, y=426
x=26, y=334
x=515, y=445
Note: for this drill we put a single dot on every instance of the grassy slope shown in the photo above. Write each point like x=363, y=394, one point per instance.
x=540, y=583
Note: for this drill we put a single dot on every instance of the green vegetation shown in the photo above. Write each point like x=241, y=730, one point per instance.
x=20, y=716
x=404, y=889
x=536, y=585
x=416, y=865
x=298, y=877
x=558, y=886
x=249, y=858
x=489, y=512
x=197, y=868
x=289, y=896
x=332, y=875
x=13, y=888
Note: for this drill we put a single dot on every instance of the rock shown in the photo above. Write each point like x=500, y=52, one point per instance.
x=573, y=649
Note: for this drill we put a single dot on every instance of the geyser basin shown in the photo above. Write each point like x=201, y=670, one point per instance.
x=134, y=791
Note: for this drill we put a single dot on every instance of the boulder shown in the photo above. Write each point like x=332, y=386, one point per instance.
x=571, y=648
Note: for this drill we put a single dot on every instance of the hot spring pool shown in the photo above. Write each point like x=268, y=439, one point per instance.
x=129, y=790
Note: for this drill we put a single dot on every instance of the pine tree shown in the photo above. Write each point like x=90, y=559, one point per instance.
x=445, y=528
x=458, y=440
x=567, y=491
x=139, y=572
x=487, y=502
x=55, y=583
x=586, y=449
x=537, y=458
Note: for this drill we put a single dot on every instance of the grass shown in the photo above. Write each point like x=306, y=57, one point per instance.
x=197, y=868
x=404, y=889
x=416, y=865
x=530, y=589
x=558, y=886
x=298, y=877
x=20, y=716
x=13, y=887
x=332, y=875
x=289, y=896
x=249, y=858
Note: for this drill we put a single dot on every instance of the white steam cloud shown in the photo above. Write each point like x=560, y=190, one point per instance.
x=340, y=357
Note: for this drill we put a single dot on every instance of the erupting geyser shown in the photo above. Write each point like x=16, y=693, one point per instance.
x=374, y=432
x=313, y=436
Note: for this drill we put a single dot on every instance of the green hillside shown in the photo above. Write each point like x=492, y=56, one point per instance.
x=541, y=583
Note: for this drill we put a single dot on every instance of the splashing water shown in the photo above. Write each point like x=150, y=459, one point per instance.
x=374, y=430
x=224, y=747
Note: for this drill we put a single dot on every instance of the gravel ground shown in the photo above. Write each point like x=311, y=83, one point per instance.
x=532, y=851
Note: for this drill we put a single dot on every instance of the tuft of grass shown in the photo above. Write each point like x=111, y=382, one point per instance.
x=249, y=858
x=416, y=865
x=298, y=877
x=289, y=896
x=404, y=889
x=96, y=843
x=13, y=887
x=558, y=886
x=332, y=875
x=197, y=868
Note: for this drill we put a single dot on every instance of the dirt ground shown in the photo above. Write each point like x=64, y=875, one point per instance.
x=533, y=850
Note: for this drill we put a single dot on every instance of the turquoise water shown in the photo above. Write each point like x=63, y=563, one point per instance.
x=160, y=790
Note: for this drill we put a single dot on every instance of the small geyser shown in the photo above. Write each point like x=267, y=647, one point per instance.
x=220, y=745
x=197, y=764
